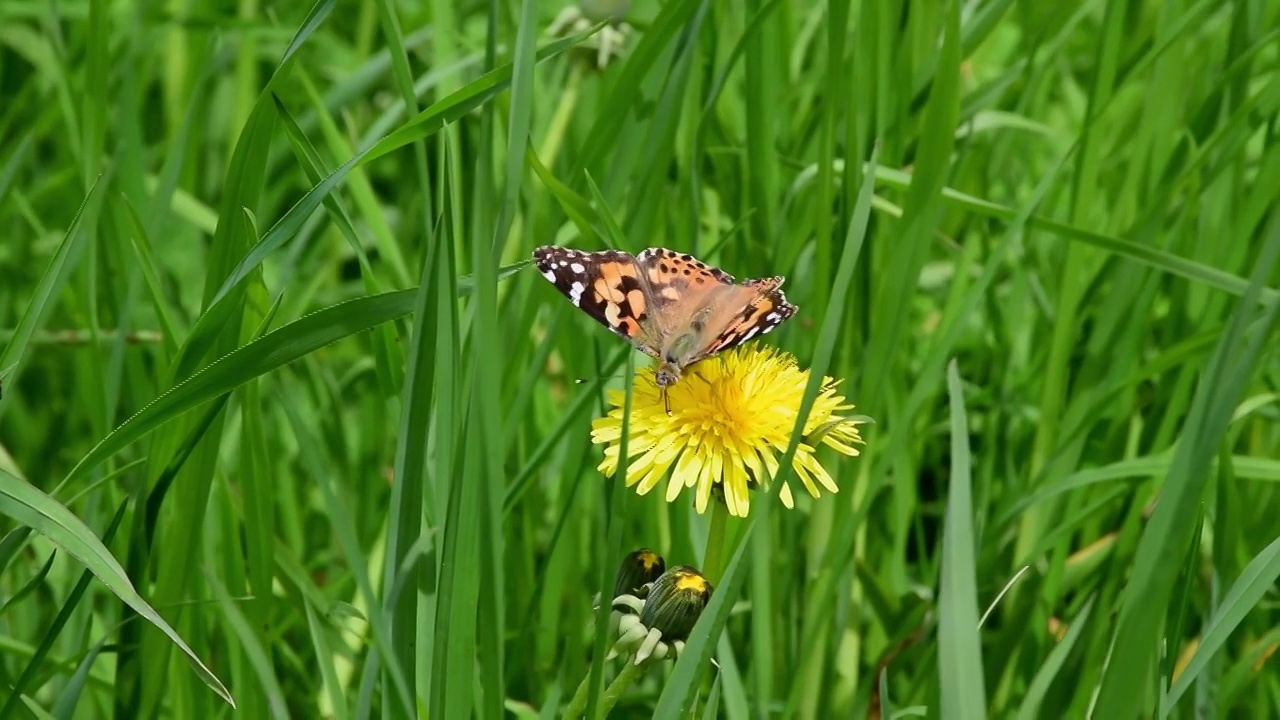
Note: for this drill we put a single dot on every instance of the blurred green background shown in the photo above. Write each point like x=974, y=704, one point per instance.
x=286, y=419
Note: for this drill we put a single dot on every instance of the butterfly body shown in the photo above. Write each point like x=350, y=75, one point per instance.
x=672, y=306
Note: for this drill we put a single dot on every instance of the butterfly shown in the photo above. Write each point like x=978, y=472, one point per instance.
x=671, y=306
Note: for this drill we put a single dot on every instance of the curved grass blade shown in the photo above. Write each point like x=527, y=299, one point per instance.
x=464, y=100
x=64, y=708
x=55, y=276
x=279, y=347
x=1030, y=708
x=424, y=125
x=1257, y=579
x=1146, y=254
x=26, y=504
x=29, y=586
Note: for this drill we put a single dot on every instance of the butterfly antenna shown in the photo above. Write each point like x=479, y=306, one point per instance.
x=666, y=400
x=584, y=380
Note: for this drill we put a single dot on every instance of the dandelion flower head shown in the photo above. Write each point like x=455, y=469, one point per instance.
x=731, y=419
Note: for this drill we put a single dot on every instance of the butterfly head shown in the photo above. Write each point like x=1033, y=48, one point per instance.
x=668, y=374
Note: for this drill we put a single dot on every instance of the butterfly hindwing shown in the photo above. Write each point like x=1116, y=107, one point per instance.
x=765, y=309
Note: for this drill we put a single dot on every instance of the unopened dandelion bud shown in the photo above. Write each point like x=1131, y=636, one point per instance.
x=675, y=601
x=638, y=569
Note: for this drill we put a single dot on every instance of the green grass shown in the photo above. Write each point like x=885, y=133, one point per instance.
x=286, y=418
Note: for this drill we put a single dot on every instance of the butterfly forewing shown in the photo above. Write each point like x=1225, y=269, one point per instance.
x=606, y=285
x=686, y=292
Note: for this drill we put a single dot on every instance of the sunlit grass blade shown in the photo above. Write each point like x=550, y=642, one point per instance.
x=920, y=214
x=27, y=505
x=34, y=666
x=959, y=646
x=256, y=358
x=574, y=205
x=410, y=487
x=619, y=497
x=626, y=86
x=428, y=122
x=1153, y=256
x=142, y=248
x=325, y=660
x=453, y=627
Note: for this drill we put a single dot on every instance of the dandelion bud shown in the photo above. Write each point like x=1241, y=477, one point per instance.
x=636, y=570
x=675, y=601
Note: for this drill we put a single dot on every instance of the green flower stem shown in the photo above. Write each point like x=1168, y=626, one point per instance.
x=713, y=556
x=630, y=671
x=578, y=703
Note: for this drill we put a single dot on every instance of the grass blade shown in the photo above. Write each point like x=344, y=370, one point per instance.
x=27, y=505
x=959, y=646
x=1259, y=578
x=1158, y=555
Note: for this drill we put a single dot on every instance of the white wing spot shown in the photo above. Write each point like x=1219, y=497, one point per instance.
x=766, y=329
x=751, y=333
x=549, y=275
x=575, y=293
x=577, y=268
x=773, y=317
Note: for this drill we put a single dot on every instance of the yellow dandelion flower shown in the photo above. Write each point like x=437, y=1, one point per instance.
x=731, y=419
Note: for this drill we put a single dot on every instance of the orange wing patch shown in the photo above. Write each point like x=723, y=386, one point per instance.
x=668, y=268
x=605, y=285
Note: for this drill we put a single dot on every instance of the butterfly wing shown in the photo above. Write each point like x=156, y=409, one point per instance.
x=702, y=310
x=754, y=308
x=608, y=286
x=683, y=287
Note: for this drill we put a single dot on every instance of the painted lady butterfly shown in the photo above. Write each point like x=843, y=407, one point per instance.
x=671, y=306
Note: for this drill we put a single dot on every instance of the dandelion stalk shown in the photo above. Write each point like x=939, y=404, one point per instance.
x=578, y=702
x=628, y=674
x=713, y=555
